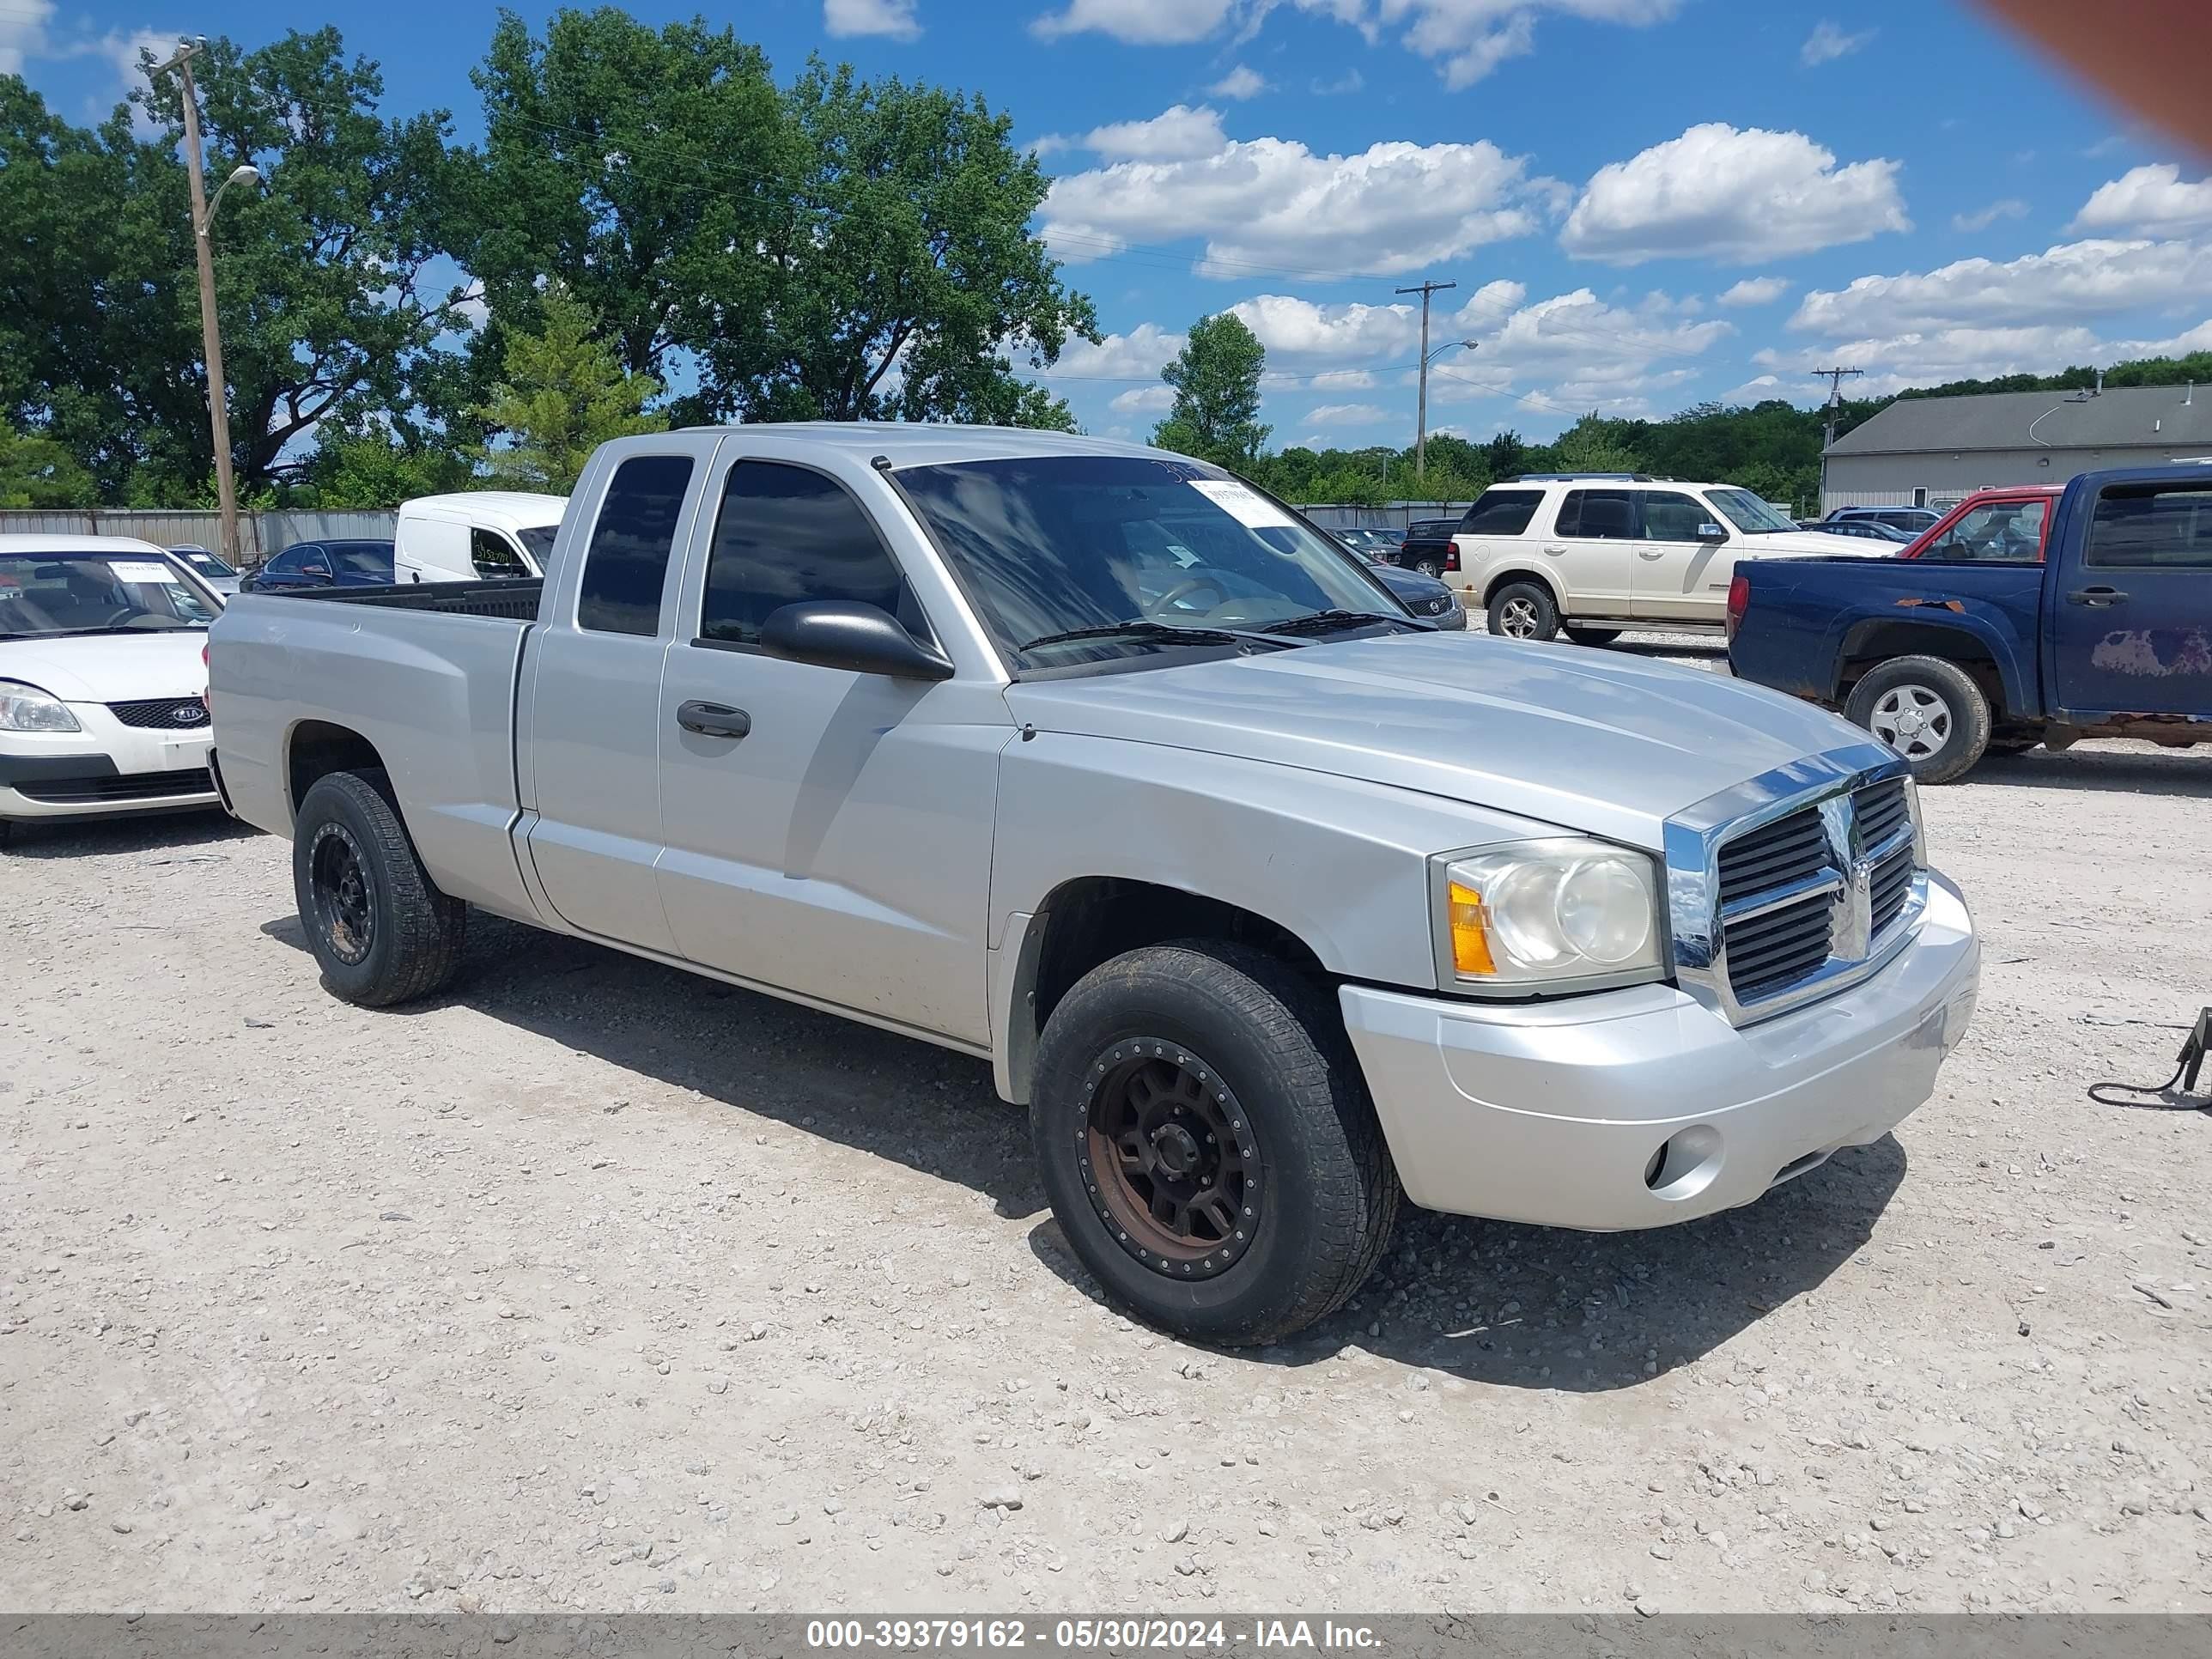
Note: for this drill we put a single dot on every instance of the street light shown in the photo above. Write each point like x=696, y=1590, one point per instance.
x=1421, y=429
x=211, y=333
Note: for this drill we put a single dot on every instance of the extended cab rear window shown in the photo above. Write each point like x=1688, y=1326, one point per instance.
x=627, y=565
x=1501, y=512
x=2146, y=526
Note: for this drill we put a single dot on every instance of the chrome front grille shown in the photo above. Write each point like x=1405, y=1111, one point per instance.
x=1795, y=883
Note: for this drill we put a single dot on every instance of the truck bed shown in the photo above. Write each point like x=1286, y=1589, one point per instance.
x=509, y=600
x=1805, y=619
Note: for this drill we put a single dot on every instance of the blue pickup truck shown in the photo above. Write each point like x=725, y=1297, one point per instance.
x=2109, y=635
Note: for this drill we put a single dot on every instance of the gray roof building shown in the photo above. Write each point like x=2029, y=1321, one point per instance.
x=1933, y=451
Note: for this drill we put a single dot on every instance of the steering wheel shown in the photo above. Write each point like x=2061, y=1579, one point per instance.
x=1175, y=594
x=121, y=616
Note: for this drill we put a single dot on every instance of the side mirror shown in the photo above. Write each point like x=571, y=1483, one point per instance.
x=1710, y=531
x=863, y=639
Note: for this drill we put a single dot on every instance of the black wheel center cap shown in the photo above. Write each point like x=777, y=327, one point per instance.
x=1178, y=1149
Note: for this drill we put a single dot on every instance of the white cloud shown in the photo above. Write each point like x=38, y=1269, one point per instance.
x=1350, y=82
x=1470, y=37
x=1291, y=327
x=2072, y=282
x=1733, y=196
x=1139, y=355
x=1756, y=291
x=893, y=17
x=1348, y=414
x=1174, y=135
x=1828, y=42
x=23, y=32
x=1138, y=22
x=1342, y=379
x=1930, y=356
x=1142, y=399
x=2147, y=199
x=1473, y=37
x=1757, y=390
x=1981, y=218
x=1390, y=209
x=1240, y=83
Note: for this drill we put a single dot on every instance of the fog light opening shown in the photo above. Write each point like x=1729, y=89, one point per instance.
x=1685, y=1163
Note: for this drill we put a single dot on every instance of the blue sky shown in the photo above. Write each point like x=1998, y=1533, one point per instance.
x=1644, y=203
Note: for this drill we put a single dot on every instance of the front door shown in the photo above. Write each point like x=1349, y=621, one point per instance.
x=1682, y=567
x=1591, y=549
x=594, y=695
x=2132, y=620
x=827, y=832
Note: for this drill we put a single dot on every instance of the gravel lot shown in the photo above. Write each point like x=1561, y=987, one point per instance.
x=593, y=1286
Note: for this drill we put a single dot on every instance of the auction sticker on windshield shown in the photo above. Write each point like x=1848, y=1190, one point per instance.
x=1247, y=506
x=144, y=570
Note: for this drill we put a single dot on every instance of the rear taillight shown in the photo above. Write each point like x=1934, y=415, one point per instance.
x=1451, y=556
x=1739, y=601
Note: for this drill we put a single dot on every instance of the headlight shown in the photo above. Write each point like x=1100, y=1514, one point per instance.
x=26, y=708
x=1558, y=914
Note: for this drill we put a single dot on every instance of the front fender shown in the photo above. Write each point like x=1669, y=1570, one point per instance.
x=1339, y=863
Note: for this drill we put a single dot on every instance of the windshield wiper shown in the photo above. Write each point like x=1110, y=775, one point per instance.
x=1159, y=631
x=1329, y=622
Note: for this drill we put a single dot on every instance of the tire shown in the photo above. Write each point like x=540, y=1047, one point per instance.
x=389, y=935
x=1525, y=610
x=1432, y=569
x=1594, y=636
x=1928, y=710
x=1225, y=1020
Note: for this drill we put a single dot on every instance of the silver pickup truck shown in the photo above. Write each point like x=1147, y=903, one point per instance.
x=1270, y=902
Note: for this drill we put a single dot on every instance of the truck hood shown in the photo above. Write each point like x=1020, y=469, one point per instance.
x=1781, y=543
x=110, y=667
x=1597, y=741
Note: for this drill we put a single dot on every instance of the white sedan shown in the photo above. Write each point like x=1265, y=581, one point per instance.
x=103, y=675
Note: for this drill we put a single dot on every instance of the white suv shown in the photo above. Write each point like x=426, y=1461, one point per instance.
x=1587, y=554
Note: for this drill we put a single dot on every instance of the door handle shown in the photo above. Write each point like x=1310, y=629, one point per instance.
x=1555, y=550
x=713, y=720
x=2097, y=597
x=1650, y=553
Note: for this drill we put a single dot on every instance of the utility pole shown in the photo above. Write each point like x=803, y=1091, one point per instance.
x=1836, y=378
x=1421, y=429
x=211, y=333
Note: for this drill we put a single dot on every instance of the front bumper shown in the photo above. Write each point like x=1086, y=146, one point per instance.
x=104, y=768
x=1644, y=1106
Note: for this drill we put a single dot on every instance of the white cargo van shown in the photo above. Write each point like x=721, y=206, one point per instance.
x=479, y=535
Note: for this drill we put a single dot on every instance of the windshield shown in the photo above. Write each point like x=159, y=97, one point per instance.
x=1051, y=544
x=1746, y=511
x=203, y=561
x=45, y=594
x=537, y=540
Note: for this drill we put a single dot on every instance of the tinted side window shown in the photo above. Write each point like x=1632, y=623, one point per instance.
x=2002, y=533
x=785, y=536
x=1501, y=512
x=1598, y=515
x=286, y=564
x=2143, y=526
x=627, y=562
x=1671, y=518
x=494, y=556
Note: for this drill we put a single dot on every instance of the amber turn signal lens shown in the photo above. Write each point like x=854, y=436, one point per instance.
x=1470, y=938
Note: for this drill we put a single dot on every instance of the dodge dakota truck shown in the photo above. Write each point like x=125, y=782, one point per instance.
x=1272, y=904
x=2021, y=621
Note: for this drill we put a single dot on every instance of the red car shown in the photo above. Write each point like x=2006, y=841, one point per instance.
x=1992, y=526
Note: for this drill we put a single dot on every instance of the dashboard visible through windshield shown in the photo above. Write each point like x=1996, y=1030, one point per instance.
x=1088, y=558
x=47, y=595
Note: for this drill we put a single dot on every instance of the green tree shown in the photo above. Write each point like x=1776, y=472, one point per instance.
x=326, y=277
x=562, y=393
x=1216, y=377
x=378, y=467
x=37, y=472
x=1594, y=444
